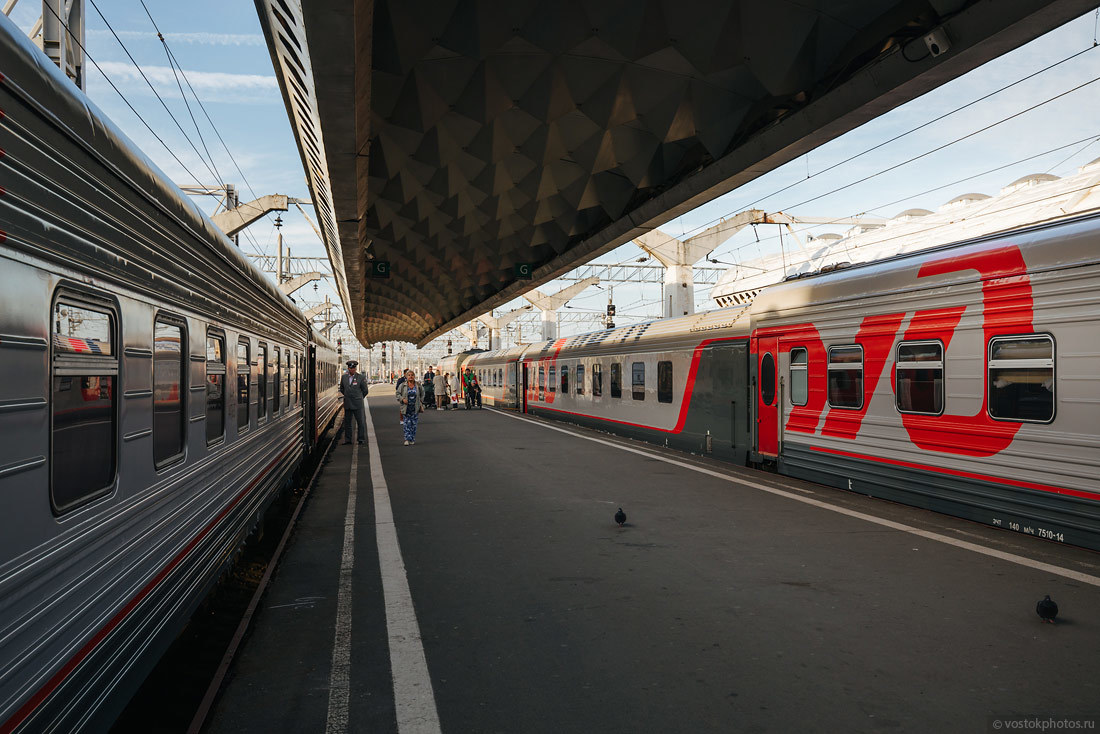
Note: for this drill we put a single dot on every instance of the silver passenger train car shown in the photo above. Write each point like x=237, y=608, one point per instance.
x=964, y=379
x=155, y=394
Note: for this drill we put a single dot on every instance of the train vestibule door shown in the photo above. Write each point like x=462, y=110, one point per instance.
x=523, y=400
x=767, y=396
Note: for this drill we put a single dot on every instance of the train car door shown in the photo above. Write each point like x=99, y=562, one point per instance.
x=524, y=391
x=311, y=395
x=767, y=408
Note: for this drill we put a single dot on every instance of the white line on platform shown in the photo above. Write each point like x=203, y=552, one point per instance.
x=413, y=696
x=339, y=688
x=986, y=551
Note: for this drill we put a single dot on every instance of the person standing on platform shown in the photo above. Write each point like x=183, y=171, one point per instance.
x=429, y=388
x=412, y=403
x=399, y=391
x=354, y=388
x=440, y=391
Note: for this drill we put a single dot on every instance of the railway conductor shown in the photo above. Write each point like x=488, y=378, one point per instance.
x=354, y=388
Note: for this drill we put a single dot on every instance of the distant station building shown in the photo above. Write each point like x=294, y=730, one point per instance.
x=1031, y=199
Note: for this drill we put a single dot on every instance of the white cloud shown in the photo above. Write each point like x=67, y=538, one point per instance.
x=201, y=39
x=164, y=78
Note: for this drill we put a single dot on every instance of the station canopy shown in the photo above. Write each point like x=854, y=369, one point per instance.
x=449, y=143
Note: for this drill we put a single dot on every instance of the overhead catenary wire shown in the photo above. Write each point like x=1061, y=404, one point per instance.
x=183, y=95
x=155, y=92
x=1090, y=140
x=148, y=127
x=901, y=135
x=201, y=105
x=177, y=72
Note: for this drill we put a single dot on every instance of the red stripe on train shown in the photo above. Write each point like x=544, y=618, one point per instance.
x=959, y=473
x=51, y=685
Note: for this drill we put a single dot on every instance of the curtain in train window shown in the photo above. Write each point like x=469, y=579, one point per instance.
x=1021, y=378
x=277, y=381
x=580, y=379
x=637, y=380
x=287, y=377
x=597, y=380
x=83, y=402
x=800, y=378
x=261, y=382
x=553, y=379
x=846, y=377
x=170, y=384
x=918, y=381
x=215, y=388
x=564, y=380
x=664, y=382
x=244, y=378
x=616, y=379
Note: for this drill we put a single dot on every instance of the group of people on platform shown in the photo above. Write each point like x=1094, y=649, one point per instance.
x=413, y=397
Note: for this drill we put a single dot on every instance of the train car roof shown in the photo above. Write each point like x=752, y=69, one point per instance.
x=35, y=78
x=496, y=355
x=1061, y=243
x=320, y=339
x=721, y=323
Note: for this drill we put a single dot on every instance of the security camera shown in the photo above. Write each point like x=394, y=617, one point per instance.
x=937, y=42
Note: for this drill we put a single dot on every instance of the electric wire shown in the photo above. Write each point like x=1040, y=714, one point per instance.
x=946, y=145
x=119, y=92
x=901, y=135
x=202, y=107
x=174, y=64
x=154, y=90
x=183, y=96
x=1090, y=140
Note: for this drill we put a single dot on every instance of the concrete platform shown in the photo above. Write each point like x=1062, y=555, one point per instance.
x=732, y=600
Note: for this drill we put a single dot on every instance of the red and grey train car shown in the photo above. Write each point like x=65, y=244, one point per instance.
x=155, y=394
x=964, y=379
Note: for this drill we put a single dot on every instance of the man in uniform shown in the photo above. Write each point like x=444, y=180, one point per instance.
x=354, y=388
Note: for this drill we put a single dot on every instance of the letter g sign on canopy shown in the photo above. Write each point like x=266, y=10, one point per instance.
x=379, y=268
x=523, y=271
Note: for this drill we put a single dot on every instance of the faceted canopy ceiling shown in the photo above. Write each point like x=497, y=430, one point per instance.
x=457, y=139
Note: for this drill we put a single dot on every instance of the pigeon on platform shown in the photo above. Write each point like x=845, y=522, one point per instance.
x=1047, y=609
x=620, y=517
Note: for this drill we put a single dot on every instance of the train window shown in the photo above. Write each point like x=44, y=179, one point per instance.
x=637, y=380
x=244, y=378
x=580, y=379
x=277, y=381
x=83, y=403
x=564, y=380
x=918, y=381
x=597, y=380
x=767, y=379
x=287, y=377
x=846, y=377
x=664, y=382
x=1021, y=378
x=553, y=378
x=800, y=377
x=261, y=382
x=542, y=381
x=170, y=362
x=215, y=388
x=616, y=379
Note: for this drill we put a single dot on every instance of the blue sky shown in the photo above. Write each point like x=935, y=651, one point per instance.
x=221, y=48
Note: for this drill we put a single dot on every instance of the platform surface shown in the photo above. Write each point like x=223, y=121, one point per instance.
x=720, y=606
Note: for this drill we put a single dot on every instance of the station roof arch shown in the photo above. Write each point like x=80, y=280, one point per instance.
x=456, y=140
